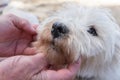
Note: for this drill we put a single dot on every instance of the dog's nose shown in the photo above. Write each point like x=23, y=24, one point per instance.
x=58, y=29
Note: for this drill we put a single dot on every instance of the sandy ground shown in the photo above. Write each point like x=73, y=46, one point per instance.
x=44, y=8
x=41, y=8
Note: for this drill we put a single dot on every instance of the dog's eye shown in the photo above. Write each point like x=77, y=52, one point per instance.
x=92, y=31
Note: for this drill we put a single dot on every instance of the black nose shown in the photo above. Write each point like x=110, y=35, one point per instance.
x=58, y=29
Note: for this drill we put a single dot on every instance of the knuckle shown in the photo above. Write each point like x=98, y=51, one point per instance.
x=24, y=22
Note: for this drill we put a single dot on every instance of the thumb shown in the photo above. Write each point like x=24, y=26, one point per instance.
x=36, y=63
x=62, y=74
x=39, y=61
x=28, y=65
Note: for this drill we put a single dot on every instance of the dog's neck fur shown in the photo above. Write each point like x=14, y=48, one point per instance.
x=93, y=69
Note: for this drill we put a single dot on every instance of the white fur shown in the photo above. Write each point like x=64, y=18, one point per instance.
x=102, y=52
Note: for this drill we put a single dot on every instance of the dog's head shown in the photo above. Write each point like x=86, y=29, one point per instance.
x=75, y=32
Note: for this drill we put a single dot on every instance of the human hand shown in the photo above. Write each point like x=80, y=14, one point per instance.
x=16, y=34
x=34, y=68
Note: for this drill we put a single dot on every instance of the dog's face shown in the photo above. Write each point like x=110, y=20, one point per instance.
x=77, y=32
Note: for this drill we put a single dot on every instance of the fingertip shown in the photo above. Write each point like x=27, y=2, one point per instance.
x=40, y=56
x=74, y=67
x=29, y=51
x=40, y=59
x=30, y=29
x=35, y=26
x=26, y=26
x=33, y=30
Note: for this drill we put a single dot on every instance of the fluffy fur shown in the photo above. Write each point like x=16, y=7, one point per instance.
x=100, y=54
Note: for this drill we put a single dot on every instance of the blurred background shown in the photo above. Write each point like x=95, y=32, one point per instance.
x=44, y=8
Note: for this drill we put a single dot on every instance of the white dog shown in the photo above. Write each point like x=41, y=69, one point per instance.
x=89, y=33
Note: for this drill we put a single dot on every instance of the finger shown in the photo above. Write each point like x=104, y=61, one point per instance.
x=74, y=67
x=34, y=63
x=63, y=74
x=71, y=71
x=29, y=51
x=40, y=61
x=35, y=26
x=28, y=65
x=22, y=24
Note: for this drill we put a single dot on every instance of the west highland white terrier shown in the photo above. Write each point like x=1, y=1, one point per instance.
x=91, y=34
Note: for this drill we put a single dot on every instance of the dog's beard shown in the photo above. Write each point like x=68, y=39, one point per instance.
x=56, y=51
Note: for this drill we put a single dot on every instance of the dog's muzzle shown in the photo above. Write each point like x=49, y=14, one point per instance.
x=59, y=29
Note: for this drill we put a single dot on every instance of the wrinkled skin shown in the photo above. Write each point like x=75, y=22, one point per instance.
x=22, y=63
x=16, y=34
x=32, y=68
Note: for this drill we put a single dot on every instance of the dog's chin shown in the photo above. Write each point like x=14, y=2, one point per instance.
x=55, y=53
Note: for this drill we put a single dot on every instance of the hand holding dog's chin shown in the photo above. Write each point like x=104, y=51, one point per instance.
x=34, y=68
x=16, y=34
